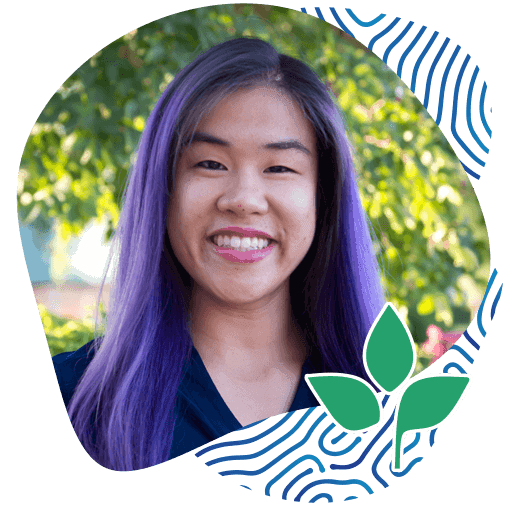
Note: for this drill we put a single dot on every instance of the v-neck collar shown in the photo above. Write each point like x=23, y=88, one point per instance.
x=303, y=397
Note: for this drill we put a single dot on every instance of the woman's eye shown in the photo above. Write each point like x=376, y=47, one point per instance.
x=211, y=165
x=279, y=170
x=214, y=165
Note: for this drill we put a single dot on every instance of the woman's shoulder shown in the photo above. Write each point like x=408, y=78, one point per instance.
x=70, y=366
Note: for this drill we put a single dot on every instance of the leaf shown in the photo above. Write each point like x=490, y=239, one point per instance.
x=389, y=353
x=350, y=401
x=426, y=403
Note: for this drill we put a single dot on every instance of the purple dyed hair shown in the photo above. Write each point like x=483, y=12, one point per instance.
x=123, y=408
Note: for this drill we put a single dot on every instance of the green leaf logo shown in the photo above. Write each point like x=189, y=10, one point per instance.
x=389, y=357
x=349, y=400
x=426, y=403
x=389, y=354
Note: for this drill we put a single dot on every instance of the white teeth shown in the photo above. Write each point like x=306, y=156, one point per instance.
x=242, y=244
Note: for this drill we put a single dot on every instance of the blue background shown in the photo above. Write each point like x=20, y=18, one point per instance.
x=43, y=463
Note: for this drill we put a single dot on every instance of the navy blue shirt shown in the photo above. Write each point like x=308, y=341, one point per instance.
x=201, y=413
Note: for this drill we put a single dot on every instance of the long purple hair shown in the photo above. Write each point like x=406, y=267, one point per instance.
x=123, y=407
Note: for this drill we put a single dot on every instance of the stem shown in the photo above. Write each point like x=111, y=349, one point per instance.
x=398, y=442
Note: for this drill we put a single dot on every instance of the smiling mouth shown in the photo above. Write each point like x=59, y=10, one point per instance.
x=239, y=243
x=240, y=249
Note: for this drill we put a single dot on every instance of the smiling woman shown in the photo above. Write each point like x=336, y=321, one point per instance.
x=245, y=193
x=245, y=263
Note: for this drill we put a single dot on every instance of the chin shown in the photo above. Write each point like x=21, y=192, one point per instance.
x=241, y=298
x=243, y=294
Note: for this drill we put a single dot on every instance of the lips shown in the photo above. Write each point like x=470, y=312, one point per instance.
x=233, y=255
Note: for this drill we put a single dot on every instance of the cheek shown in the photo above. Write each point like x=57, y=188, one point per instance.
x=304, y=211
x=177, y=221
x=187, y=205
x=301, y=199
x=196, y=192
x=297, y=208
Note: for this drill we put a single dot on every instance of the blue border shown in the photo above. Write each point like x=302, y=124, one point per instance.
x=466, y=462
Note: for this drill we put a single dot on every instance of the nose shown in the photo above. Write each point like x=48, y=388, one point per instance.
x=244, y=195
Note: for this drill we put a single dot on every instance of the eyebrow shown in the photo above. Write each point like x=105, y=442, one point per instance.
x=282, y=145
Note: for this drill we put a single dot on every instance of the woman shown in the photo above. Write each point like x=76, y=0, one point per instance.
x=245, y=262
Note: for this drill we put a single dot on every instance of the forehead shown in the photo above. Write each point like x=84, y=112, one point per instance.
x=262, y=113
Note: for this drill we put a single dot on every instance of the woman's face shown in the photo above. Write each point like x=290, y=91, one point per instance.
x=242, y=214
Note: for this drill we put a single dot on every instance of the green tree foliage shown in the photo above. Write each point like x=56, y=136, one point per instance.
x=431, y=237
x=65, y=335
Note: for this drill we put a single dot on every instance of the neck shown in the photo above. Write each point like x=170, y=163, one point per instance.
x=255, y=334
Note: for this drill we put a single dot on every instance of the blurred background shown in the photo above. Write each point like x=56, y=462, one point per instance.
x=430, y=234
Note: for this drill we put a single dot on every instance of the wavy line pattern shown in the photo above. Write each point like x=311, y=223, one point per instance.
x=269, y=457
x=482, y=110
x=431, y=71
x=295, y=480
x=382, y=33
x=290, y=450
x=340, y=436
x=322, y=495
x=495, y=302
x=455, y=134
x=330, y=481
x=446, y=369
x=376, y=463
x=414, y=443
x=291, y=466
x=469, y=171
x=264, y=450
x=332, y=452
x=471, y=341
x=468, y=111
x=408, y=467
x=246, y=441
x=408, y=50
x=366, y=451
x=385, y=450
x=463, y=352
x=479, y=313
x=420, y=60
x=438, y=73
x=365, y=23
x=396, y=41
x=442, y=87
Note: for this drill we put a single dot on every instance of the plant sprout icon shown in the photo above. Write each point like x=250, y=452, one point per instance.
x=389, y=357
